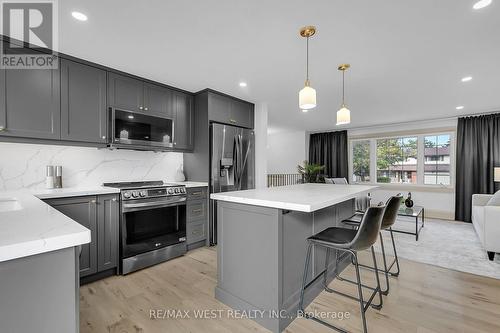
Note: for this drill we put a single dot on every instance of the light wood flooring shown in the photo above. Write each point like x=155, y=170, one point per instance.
x=424, y=299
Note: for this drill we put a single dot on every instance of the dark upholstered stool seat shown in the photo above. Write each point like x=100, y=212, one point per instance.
x=335, y=236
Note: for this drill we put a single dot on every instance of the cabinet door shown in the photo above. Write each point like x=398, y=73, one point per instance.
x=241, y=114
x=158, y=100
x=83, y=211
x=196, y=231
x=219, y=108
x=83, y=103
x=125, y=93
x=183, y=133
x=30, y=105
x=107, y=231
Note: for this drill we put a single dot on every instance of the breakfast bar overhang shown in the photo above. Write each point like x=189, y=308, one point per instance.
x=262, y=244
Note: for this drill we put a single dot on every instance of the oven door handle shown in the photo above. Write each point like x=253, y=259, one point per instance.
x=128, y=207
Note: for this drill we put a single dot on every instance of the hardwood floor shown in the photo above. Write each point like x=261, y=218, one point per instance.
x=424, y=299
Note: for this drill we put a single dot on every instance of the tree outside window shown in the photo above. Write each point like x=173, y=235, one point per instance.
x=397, y=160
x=361, y=161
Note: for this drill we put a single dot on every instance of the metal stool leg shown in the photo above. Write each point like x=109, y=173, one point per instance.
x=304, y=277
x=386, y=291
x=396, y=260
x=377, y=277
x=360, y=293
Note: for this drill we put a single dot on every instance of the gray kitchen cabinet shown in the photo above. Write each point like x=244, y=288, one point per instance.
x=84, y=211
x=196, y=217
x=83, y=103
x=219, y=108
x=183, y=123
x=30, y=103
x=108, y=211
x=158, y=99
x=228, y=110
x=125, y=92
x=100, y=214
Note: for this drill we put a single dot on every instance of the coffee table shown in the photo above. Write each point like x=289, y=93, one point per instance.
x=414, y=212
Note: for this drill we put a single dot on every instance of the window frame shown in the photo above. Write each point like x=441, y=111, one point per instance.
x=420, y=159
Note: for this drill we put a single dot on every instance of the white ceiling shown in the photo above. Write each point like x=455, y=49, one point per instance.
x=407, y=56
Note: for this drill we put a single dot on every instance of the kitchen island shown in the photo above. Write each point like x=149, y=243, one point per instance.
x=262, y=244
x=39, y=251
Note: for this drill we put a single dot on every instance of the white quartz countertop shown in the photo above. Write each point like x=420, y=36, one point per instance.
x=189, y=184
x=303, y=197
x=73, y=192
x=29, y=226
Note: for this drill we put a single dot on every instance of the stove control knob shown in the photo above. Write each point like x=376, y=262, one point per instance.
x=143, y=193
x=126, y=194
x=183, y=190
x=176, y=190
x=170, y=191
x=135, y=194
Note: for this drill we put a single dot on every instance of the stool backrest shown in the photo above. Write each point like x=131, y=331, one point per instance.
x=391, y=211
x=368, y=229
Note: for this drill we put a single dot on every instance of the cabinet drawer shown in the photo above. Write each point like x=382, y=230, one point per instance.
x=197, y=193
x=196, y=210
x=196, y=231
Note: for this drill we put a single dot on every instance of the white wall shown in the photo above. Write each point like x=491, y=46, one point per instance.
x=24, y=165
x=260, y=130
x=285, y=150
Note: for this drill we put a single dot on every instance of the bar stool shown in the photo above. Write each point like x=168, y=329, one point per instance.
x=350, y=241
x=388, y=220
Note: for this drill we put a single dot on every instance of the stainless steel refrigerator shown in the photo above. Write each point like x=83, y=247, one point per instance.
x=232, y=164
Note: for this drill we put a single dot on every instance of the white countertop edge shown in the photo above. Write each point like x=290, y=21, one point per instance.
x=307, y=208
x=43, y=245
x=73, y=192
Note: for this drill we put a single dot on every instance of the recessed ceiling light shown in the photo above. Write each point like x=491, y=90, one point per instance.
x=243, y=84
x=466, y=79
x=481, y=4
x=79, y=16
x=460, y=107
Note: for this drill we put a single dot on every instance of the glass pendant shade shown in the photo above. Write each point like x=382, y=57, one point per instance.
x=343, y=116
x=307, y=98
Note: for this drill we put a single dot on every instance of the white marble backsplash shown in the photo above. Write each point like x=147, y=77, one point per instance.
x=24, y=165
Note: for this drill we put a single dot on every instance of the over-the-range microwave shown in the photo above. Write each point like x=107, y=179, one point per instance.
x=140, y=130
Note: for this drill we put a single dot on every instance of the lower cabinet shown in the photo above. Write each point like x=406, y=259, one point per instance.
x=100, y=214
x=196, y=217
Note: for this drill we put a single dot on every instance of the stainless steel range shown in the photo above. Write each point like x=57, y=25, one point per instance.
x=152, y=223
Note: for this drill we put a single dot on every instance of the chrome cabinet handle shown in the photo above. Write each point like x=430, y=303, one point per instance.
x=114, y=199
x=196, y=210
x=103, y=137
x=93, y=201
x=232, y=121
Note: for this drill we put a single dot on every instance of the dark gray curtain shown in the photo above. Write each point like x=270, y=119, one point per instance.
x=478, y=152
x=330, y=149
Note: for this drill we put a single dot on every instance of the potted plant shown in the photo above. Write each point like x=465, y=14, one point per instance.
x=310, y=172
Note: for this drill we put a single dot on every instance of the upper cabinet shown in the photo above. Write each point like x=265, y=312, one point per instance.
x=83, y=103
x=125, y=92
x=158, y=99
x=183, y=122
x=136, y=95
x=29, y=103
x=228, y=110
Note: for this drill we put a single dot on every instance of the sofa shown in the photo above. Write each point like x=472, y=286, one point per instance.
x=486, y=221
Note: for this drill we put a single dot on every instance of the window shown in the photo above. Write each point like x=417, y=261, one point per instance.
x=420, y=159
x=397, y=160
x=361, y=161
x=437, y=160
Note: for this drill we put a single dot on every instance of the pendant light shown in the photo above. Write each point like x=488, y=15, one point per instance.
x=307, y=96
x=343, y=115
